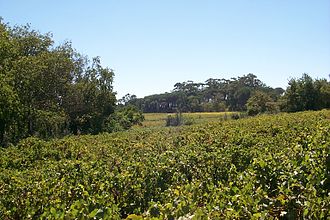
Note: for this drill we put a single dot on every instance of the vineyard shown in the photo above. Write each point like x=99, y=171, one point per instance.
x=265, y=167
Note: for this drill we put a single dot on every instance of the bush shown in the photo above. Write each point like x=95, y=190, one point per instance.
x=124, y=118
x=235, y=116
x=177, y=120
x=258, y=103
x=188, y=121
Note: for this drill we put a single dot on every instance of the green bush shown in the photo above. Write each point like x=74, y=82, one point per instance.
x=175, y=120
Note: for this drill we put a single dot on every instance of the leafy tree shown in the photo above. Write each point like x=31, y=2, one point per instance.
x=323, y=86
x=306, y=94
x=50, y=91
x=37, y=74
x=127, y=99
x=123, y=118
x=213, y=95
x=257, y=103
x=9, y=110
x=90, y=100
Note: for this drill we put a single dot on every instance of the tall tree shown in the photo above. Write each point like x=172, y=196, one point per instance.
x=306, y=94
x=257, y=103
x=49, y=91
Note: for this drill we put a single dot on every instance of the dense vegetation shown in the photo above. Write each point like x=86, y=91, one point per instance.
x=213, y=95
x=306, y=94
x=51, y=91
x=262, y=167
x=246, y=93
x=254, y=168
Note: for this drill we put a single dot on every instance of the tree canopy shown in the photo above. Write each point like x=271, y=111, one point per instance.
x=306, y=93
x=48, y=90
x=212, y=95
x=245, y=93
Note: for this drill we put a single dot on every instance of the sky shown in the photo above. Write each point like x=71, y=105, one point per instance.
x=153, y=44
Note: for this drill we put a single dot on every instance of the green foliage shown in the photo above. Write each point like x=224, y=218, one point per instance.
x=9, y=109
x=50, y=91
x=306, y=94
x=175, y=120
x=234, y=116
x=90, y=100
x=124, y=118
x=213, y=95
x=265, y=167
x=258, y=103
x=188, y=120
x=178, y=119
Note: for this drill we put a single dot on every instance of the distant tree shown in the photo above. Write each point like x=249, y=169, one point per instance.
x=250, y=80
x=127, y=99
x=213, y=95
x=257, y=103
x=323, y=86
x=306, y=94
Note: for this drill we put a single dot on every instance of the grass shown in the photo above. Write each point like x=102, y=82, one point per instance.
x=158, y=119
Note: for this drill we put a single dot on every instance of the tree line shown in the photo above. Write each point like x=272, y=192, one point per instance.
x=51, y=91
x=245, y=93
x=212, y=95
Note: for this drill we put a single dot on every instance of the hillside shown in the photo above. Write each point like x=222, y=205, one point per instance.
x=254, y=168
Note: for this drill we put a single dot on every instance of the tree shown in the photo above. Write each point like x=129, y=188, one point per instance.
x=50, y=91
x=127, y=99
x=257, y=103
x=123, y=118
x=306, y=94
x=90, y=99
x=213, y=95
x=9, y=110
x=323, y=86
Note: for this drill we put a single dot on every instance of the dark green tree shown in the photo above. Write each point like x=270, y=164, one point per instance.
x=123, y=118
x=50, y=91
x=306, y=94
x=257, y=103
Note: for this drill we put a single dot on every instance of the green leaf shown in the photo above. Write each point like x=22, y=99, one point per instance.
x=133, y=217
x=94, y=213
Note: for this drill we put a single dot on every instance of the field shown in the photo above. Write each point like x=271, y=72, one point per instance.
x=266, y=167
x=159, y=119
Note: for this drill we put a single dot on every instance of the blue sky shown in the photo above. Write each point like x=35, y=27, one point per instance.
x=152, y=44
